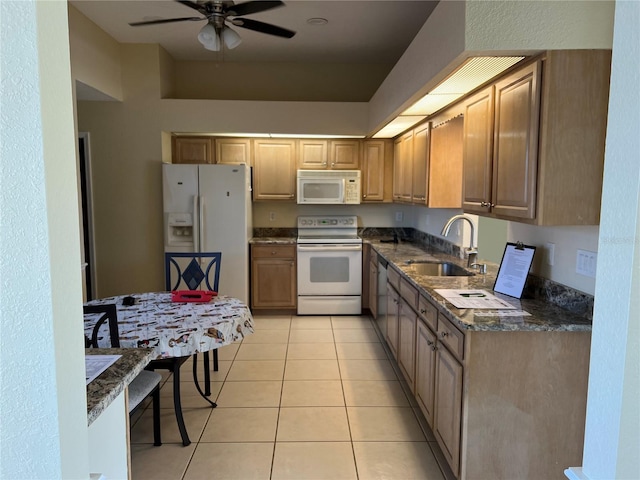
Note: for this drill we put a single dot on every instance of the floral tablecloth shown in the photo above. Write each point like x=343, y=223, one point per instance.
x=174, y=329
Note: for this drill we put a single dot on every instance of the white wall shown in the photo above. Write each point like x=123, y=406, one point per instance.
x=43, y=397
x=612, y=434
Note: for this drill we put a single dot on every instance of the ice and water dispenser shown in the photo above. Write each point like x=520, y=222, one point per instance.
x=179, y=230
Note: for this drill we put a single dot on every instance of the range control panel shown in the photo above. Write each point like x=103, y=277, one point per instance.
x=334, y=221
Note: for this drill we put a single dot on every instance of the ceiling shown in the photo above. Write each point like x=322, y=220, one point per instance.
x=358, y=31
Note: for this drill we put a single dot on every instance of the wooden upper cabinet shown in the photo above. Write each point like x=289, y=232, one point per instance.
x=313, y=154
x=420, y=160
x=515, y=143
x=344, y=154
x=192, y=150
x=376, y=175
x=233, y=151
x=274, y=169
x=478, y=151
x=500, y=146
x=402, y=168
x=573, y=124
x=445, y=164
x=534, y=141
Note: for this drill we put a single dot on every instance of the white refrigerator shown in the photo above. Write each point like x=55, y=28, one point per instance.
x=207, y=208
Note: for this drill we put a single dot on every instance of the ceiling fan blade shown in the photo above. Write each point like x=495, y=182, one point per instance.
x=165, y=20
x=194, y=5
x=262, y=27
x=247, y=8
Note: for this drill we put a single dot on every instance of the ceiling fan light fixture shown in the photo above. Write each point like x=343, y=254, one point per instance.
x=208, y=37
x=231, y=38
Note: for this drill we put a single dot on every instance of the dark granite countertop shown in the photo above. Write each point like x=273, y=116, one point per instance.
x=108, y=385
x=273, y=241
x=544, y=316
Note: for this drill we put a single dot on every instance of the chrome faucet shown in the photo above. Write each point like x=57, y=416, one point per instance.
x=472, y=252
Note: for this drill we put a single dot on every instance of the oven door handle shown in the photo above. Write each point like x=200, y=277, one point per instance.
x=330, y=248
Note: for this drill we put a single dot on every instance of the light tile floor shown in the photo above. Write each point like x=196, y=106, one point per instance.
x=301, y=398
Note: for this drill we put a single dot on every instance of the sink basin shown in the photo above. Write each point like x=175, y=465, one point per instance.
x=438, y=269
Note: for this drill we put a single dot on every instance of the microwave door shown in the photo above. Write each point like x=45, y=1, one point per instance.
x=322, y=191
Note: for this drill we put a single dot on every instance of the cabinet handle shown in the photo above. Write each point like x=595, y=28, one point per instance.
x=487, y=204
x=423, y=311
x=364, y=196
x=444, y=334
x=333, y=164
x=429, y=342
x=273, y=252
x=434, y=348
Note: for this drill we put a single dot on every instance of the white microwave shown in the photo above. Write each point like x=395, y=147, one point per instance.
x=328, y=186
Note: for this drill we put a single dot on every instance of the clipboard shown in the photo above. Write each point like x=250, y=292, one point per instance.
x=514, y=268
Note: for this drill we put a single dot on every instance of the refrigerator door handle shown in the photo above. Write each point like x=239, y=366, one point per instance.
x=196, y=224
x=201, y=224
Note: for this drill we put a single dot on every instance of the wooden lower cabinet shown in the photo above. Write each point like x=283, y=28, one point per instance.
x=425, y=370
x=501, y=404
x=407, y=320
x=393, y=304
x=448, y=406
x=273, y=276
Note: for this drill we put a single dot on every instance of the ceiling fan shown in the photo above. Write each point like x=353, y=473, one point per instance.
x=218, y=13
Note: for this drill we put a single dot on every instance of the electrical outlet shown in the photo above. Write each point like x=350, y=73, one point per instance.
x=551, y=253
x=398, y=216
x=272, y=216
x=586, y=263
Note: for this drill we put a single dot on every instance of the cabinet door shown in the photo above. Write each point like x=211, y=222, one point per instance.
x=192, y=150
x=448, y=406
x=392, y=320
x=478, y=151
x=373, y=171
x=233, y=151
x=273, y=283
x=373, y=285
x=407, y=320
x=344, y=154
x=312, y=154
x=274, y=174
x=420, y=164
x=425, y=370
x=515, y=144
x=445, y=165
x=402, y=168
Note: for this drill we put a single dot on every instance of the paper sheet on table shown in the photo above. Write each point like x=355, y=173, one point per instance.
x=466, y=298
x=96, y=364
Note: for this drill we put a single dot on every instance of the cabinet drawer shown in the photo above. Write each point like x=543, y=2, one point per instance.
x=273, y=251
x=409, y=293
x=451, y=336
x=428, y=312
x=393, y=277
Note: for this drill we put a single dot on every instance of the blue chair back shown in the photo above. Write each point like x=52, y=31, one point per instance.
x=192, y=271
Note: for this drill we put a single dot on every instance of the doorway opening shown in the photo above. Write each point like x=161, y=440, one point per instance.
x=88, y=248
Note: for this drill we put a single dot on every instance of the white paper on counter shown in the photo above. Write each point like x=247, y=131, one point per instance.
x=466, y=298
x=96, y=364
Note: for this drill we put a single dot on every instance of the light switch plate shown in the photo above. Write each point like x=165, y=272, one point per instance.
x=551, y=253
x=586, y=262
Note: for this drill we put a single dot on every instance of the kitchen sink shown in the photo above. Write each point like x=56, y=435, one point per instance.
x=438, y=269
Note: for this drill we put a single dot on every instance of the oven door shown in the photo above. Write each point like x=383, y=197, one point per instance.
x=329, y=269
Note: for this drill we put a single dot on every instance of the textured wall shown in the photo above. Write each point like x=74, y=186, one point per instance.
x=43, y=430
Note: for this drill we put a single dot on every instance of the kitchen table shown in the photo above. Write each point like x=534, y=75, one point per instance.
x=175, y=331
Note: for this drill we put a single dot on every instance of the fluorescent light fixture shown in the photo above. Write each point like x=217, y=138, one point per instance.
x=399, y=125
x=473, y=73
x=262, y=135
